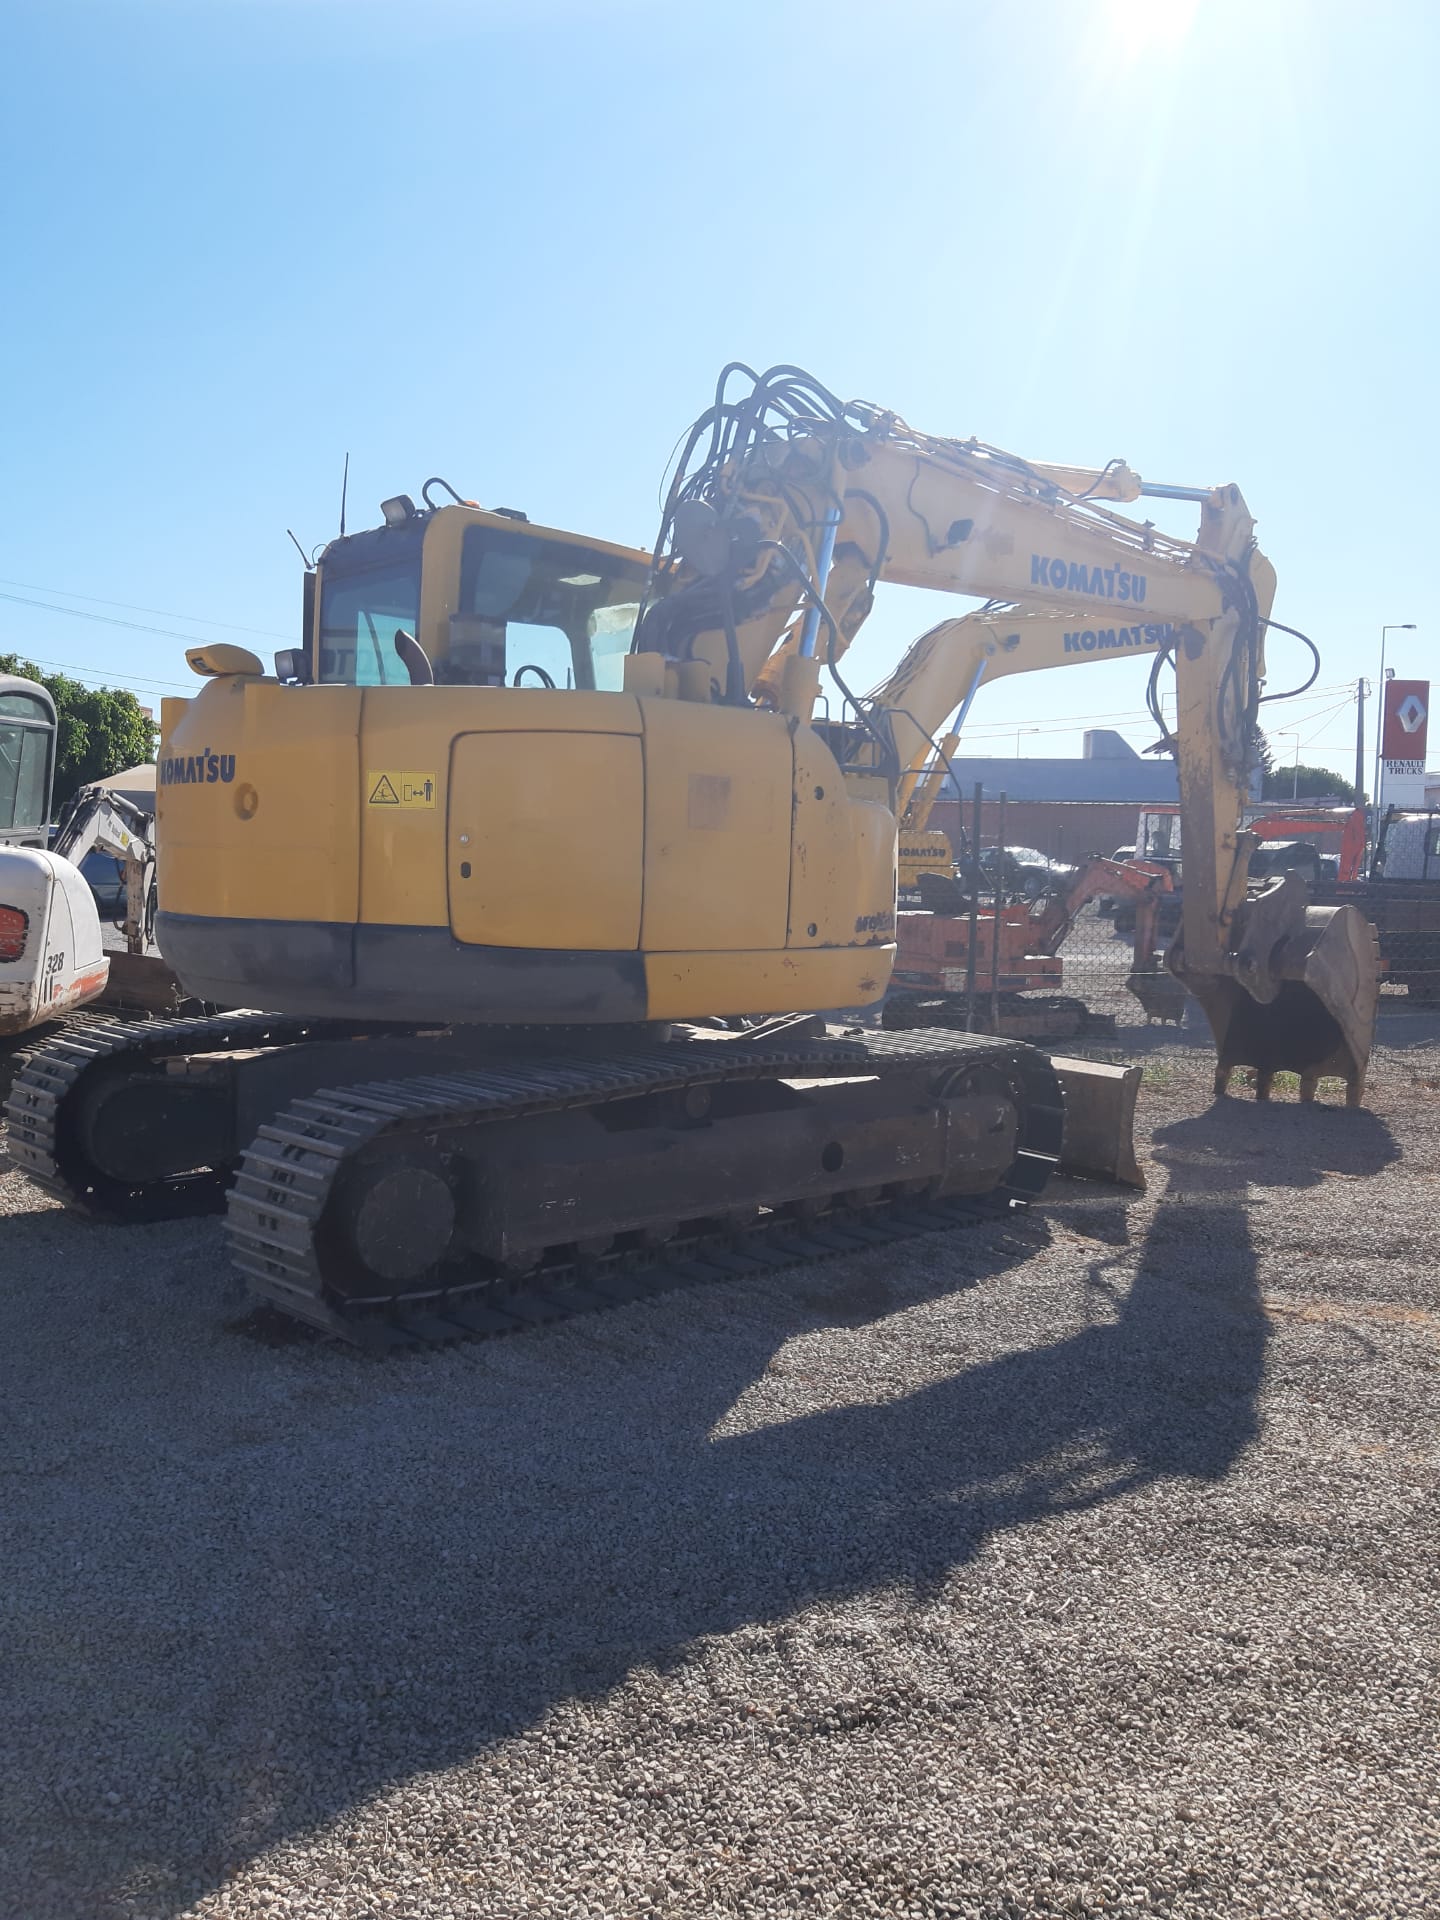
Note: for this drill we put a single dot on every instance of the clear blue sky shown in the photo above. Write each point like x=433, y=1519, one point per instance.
x=512, y=243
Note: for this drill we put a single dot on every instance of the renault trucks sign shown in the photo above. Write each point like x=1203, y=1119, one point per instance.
x=1402, y=742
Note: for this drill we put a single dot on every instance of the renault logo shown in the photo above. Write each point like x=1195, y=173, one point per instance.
x=1411, y=713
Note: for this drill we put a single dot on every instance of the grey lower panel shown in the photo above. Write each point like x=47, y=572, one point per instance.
x=322, y=970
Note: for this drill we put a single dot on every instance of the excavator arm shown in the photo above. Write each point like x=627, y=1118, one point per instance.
x=943, y=671
x=1055, y=914
x=775, y=537
x=948, y=665
x=105, y=822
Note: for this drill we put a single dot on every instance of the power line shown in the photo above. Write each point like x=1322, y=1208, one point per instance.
x=94, y=673
x=109, y=620
x=1308, y=709
x=1327, y=720
x=1314, y=696
x=99, y=599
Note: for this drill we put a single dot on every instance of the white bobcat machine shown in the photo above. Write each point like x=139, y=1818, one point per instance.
x=53, y=957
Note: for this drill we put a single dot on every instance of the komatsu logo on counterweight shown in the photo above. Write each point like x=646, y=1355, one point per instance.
x=1106, y=639
x=195, y=769
x=1073, y=576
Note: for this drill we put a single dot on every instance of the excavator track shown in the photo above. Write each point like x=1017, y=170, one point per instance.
x=281, y=1210
x=42, y=1138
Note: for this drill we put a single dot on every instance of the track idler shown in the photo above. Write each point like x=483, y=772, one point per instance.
x=1299, y=993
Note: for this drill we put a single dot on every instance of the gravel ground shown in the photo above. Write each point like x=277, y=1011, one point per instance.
x=1087, y=1565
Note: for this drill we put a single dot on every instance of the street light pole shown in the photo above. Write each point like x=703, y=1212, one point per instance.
x=1398, y=626
x=1287, y=733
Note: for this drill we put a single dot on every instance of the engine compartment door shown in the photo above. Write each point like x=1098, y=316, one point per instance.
x=545, y=842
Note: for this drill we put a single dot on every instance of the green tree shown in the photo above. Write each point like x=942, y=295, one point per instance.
x=100, y=729
x=1307, y=783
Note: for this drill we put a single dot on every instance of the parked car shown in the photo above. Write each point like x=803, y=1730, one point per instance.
x=1024, y=871
x=105, y=877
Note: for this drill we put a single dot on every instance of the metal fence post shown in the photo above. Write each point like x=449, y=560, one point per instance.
x=974, y=942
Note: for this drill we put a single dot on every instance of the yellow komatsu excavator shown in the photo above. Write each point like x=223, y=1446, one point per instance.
x=543, y=868
x=1024, y=638
x=959, y=655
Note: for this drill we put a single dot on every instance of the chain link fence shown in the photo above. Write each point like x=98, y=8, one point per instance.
x=1095, y=984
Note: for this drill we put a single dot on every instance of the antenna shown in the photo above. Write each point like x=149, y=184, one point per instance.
x=344, y=489
x=299, y=549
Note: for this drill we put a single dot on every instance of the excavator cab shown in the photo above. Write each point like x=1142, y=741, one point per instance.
x=505, y=604
x=27, y=760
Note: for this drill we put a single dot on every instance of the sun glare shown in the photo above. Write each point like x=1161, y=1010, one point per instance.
x=1139, y=25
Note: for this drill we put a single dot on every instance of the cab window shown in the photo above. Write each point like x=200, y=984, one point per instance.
x=24, y=777
x=359, y=619
x=566, y=612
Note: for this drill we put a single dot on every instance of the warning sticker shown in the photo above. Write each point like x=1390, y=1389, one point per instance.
x=406, y=791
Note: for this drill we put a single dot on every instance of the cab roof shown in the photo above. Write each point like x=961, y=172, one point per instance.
x=12, y=683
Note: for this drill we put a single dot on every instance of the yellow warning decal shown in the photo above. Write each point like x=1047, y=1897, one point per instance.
x=413, y=792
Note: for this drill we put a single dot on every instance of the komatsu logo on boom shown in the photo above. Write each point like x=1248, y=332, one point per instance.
x=1104, y=639
x=1073, y=576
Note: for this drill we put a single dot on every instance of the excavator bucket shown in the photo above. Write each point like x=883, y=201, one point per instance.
x=1099, y=1138
x=1160, y=994
x=1300, y=996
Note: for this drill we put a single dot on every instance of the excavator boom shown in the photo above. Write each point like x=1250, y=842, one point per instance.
x=801, y=504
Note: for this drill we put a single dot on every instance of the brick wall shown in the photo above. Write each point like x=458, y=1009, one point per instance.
x=1065, y=829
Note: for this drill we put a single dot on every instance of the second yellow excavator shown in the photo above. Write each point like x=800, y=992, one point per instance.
x=545, y=869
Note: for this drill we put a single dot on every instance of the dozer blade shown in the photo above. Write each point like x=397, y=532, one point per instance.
x=1099, y=1138
x=1301, y=997
x=142, y=983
